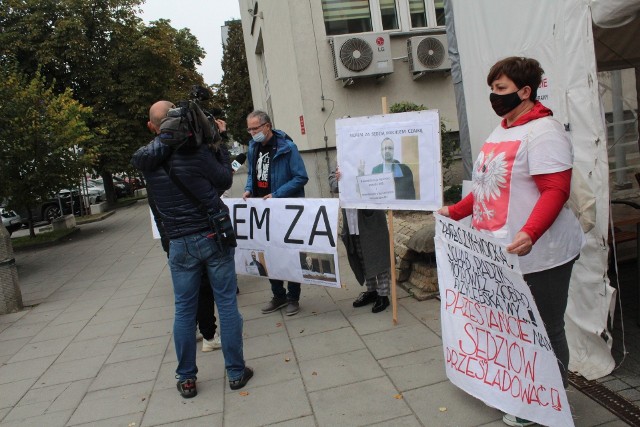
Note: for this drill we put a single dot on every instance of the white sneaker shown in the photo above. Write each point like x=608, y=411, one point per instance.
x=199, y=336
x=213, y=344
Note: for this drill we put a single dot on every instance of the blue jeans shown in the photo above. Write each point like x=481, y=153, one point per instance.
x=277, y=287
x=188, y=256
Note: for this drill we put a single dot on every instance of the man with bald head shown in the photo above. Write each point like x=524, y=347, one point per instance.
x=193, y=247
x=402, y=175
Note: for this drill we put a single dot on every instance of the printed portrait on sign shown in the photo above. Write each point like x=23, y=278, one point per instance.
x=255, y=264
x=318, y=266
x=391, y=161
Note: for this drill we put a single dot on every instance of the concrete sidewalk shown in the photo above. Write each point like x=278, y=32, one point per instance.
x=95, y=348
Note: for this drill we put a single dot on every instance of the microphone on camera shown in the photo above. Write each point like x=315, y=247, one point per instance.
x=240, y=159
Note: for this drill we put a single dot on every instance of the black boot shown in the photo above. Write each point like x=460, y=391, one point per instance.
x=380, y=305
x=365, y=298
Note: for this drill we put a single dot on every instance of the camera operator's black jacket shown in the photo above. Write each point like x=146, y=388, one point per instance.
x=204, y=173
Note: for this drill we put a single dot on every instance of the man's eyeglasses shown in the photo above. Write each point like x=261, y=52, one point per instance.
x=255, y=128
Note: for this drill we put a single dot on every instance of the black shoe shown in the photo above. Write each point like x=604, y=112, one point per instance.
x=274, y=304
x=244, y=379
x=187, y=388
x=365, y=298
x=380, y=305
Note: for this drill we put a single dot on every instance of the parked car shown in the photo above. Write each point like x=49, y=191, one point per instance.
x=136, y=183
x=120, y=188
x=128, y=188
x=65, y=202
x=95, y=192
x=11, y=220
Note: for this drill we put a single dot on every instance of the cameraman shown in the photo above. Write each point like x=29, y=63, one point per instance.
x=192, y=247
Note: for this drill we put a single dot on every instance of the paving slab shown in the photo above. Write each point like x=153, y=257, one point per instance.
x=75, y=370
x=362, y=403
x=327, y=344
x=267, y=404
x=139, y=349
x=53, y=419
x=97, y=350
x=164, y=407
x=127, y=372
x=113, y=402
x=340, y=369
x=38, y=349
x=85, y=349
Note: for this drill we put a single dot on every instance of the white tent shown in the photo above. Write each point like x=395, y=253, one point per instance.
x=560, y=35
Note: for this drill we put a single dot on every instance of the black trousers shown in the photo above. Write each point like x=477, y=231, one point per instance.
x=206, y=316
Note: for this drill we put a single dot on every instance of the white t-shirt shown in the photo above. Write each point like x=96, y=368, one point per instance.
x=505, y=193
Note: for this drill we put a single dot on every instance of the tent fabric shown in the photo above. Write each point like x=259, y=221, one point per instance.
x=619, y=47
x=614, y=13
x=560, y=36
x=458, y=88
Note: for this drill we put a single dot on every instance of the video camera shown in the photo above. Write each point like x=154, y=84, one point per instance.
x=188, y=125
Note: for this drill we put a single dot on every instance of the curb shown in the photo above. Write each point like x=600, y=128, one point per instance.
x=46, y=244
x=95, y=219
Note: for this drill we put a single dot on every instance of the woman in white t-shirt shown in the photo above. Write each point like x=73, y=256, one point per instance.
x=521, y=181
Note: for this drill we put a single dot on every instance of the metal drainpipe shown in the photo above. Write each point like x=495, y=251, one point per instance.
x=10, y=296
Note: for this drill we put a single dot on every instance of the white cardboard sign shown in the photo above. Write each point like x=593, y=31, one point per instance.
x=287, y=239
x=390, y=161
x=495, y=344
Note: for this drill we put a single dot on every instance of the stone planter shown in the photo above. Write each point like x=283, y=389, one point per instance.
x=65, y=222
x=98, y=208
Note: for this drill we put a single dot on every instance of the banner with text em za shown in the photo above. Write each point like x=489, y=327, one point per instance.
x=287, y=239
x=390, y=161
x=495, y=344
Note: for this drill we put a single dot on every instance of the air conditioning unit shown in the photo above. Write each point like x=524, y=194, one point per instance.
x=428, y=53
x=361, y=55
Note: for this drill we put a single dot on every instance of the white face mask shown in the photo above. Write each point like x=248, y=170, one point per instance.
x=259, y=137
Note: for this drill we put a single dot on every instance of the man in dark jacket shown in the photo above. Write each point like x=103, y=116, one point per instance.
x=192, y=247
x=274, y=169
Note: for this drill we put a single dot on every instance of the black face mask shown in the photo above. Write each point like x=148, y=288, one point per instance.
x=503, y=104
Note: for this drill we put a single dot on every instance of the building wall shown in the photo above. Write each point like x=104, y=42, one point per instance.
x=291, y=36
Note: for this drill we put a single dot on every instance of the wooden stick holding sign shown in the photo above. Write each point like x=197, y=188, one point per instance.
x=392, y=250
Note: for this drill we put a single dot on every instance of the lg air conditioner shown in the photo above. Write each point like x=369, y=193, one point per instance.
x=361, y=55
x=428, y=53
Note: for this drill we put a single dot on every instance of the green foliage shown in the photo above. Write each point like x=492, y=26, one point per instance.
x=449, y=146
x=41, y=136
x=110, y=60
x=235, y=87
x=453, y=194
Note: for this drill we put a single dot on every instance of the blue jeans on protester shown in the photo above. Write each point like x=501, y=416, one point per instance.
x=277, y=287
x=188, y=255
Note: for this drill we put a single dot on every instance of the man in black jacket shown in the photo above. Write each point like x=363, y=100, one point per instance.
x=192, y=245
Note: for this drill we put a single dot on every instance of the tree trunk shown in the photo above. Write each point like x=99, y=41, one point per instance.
x=109, y=188
x=10, y=296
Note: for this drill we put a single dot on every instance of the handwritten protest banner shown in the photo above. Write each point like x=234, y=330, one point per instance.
x=390, y=161
x=287, y=239
x=495, y=344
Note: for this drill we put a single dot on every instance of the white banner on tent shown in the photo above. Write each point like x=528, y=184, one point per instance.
x=287, y=239
x=495, y=345
x=390, y=161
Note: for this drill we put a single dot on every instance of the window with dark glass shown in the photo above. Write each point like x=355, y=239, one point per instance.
x=389, y=14
x=439, y=5
x=345, y=17
x=418, y=13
